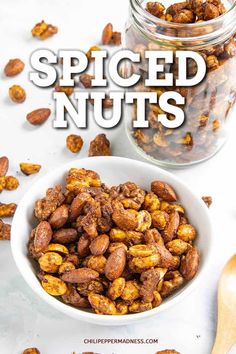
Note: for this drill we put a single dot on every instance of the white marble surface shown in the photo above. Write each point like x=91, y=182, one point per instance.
x=24, y=321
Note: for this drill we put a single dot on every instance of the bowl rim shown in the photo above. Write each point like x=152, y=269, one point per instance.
x=74, y=312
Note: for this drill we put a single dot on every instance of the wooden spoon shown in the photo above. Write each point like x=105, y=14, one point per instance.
x=226, y=326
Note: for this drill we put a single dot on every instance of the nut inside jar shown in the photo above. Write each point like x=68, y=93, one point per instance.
x=206, y=27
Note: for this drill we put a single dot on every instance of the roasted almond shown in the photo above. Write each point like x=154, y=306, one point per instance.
x=115, y=264
x=43, y=236
x=38, y=116
x=190, y=263
x=83, y=245
x=65, y=236
x=14, y=67
x=164, y=191
x=81, y=275
x=99, y=245
x=172, y=227
x=4, y=165
x=77, y=205
x=166, y=258
x=124, y=219
x=107, y=34
x=59, y=217
x=150, y=278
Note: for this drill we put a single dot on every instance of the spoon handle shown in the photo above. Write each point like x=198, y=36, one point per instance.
x=226, y=331
x=226, y=326
x=222, y=345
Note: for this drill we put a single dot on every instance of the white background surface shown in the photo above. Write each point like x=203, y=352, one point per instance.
x=24, y=321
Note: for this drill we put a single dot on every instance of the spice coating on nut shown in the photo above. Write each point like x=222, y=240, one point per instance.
x=100, y=146
x=17, y=94
x=74, y=143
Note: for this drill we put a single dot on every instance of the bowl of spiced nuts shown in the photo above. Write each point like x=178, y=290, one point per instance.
x=111, y=248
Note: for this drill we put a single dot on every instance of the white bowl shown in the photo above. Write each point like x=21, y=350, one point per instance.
x=113, y=171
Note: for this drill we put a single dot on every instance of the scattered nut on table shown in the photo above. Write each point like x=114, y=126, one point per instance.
x=14, y=67
x=74, y=143
x=207, y=200
x=38, y=116
x=94, y=48
x=109, y=36
x=7, y=210
x=5, y=231
x=29, y=168
x=31, y=351
x=42, y=30
x=9, y=183
x=100, y=146
x=98, y=247
x=17, y=94
x=4, y=165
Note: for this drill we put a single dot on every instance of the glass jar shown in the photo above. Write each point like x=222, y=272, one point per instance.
x=208, y=105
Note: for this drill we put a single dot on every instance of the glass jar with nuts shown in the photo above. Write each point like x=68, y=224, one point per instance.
x=207, y=27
